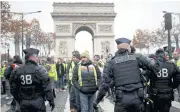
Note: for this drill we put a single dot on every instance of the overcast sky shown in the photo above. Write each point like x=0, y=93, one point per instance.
x=131, y=15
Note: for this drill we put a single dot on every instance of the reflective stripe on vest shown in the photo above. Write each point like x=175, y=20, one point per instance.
x=65, y=66
x=71, y=70
x=178, y=63
x=2, y=71
x=80, y=76
x=52, y=72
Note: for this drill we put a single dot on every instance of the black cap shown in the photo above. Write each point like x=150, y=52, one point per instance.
x=122, y=40
x=31, y=51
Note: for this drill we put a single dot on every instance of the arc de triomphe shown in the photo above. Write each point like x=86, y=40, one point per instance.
x=95, y=18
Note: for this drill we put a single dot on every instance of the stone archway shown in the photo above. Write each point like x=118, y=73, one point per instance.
x=87, y=28
x=95, y=18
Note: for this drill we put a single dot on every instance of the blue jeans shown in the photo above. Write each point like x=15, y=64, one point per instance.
x=60, y=83
x=86, y=102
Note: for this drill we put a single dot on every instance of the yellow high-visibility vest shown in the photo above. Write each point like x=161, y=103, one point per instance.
x=2, y=71
x=80, y=76
x=71, y=71
x=65, y=66
x=52, y=72
x=178, y=63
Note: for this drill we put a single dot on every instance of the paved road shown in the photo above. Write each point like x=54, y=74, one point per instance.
x=108, y=105
x=60, y=102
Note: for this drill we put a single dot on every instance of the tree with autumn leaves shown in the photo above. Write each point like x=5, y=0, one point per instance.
x=11, y=29
x=157, y=38
x=5, y=18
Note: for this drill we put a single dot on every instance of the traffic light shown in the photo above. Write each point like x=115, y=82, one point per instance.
x=168, y=21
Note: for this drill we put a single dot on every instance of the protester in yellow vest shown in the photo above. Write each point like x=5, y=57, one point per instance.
x=60, y=68
x=65, y=74
x=51, y=68
x=86, y=79
x=74, y=94
x=176, y=60
x=65, y=66
x=98, y=62
x=176, y=57
x=3, y=81
x=2, y=70
x=75, y=60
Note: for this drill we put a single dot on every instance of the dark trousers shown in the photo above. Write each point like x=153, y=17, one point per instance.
x=69, y=85
x=36, y=105
x=74, y=99
x=161, y=104
x=3, y=87
x=129, y=101
x=13, y=102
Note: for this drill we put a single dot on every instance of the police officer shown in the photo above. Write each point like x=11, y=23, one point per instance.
x=123, y=69
x=163, y=86
x=74, y=93
x=30, y=84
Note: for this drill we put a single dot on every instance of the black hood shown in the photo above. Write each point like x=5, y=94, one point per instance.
x=87, y=64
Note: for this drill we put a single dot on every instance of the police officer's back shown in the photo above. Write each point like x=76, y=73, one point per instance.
x=123, y=69
x=30, y=84
x=166, y=80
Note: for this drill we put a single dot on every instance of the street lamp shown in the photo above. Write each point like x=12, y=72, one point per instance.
x=22, y=18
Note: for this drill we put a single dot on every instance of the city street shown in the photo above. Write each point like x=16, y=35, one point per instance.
x=62, y=104
x=108, y=105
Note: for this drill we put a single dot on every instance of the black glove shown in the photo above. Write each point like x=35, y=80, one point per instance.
x=95, y=106
x=52, y=105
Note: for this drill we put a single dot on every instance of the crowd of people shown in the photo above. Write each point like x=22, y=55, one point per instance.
x=137, y=83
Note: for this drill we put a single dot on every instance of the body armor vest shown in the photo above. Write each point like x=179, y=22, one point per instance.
x=126, y=70
x=29, y=86
x=164, y=77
